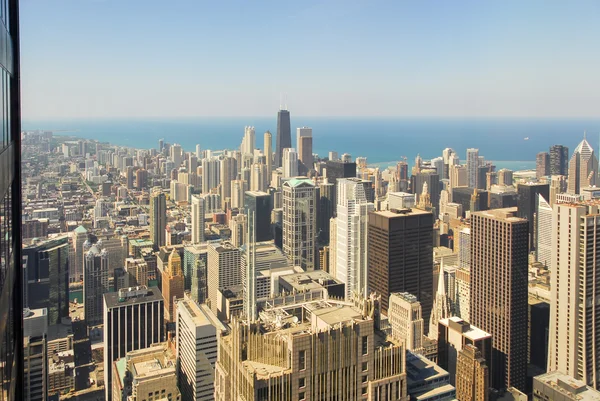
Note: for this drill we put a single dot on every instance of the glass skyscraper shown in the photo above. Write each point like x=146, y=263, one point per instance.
x=11, y=280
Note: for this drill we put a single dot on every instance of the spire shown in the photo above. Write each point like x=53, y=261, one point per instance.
x=441, y=307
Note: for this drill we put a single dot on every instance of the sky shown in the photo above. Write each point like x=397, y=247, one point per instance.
x=186, y=58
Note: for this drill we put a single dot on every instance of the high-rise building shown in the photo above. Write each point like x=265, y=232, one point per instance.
x=352, y=225
x=197, y=219
x=76, y=253
x=197, y=331
x=583, y=168
x=472, y=375
x=300, y=222
x=505, y=177
x=542, y=165
x=141, y=179
x=211, y=174
x=432, y=179
x=305, y=152
x=543, y=232
x=259, y=203
x=338, y=354
x=95, y=284
x=35, y=364
x=400, y=256
x=284, y=135
x=406, y=320
x=336, y=169
x=223, y=270
x=573, y=348
x=559, y=160
x=290, y=163
x=499, y=262
x=228, y=171
x=325, y=212
x=249, y=141
x=158, y=218
x=173, y=283
x=268, y=151
x=527, y=202
x=557, y=385
x=558, y=185
x=133, y=319
x=458, y=176
x=472, y=166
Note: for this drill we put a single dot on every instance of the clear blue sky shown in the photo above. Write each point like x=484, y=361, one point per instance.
x=132, y=58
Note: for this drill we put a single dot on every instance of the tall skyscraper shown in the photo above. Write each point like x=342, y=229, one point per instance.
x=499, y=274
x=305, y=152
x=211, y=175
x=527, y=202
x=249, y=141
x=472, y=167
x=432, y=179
x=268, y=151
x=95, y=284
x=573, y=346
x=543, y=232
x=228, y=171
x=336, y=169
x=559, y=160
x=223, y=270
x=542, y=165
x=35, y=330
x=352, y=226
x=583, y=168
x=300, y=222
x=400, y=258
x=290, y=163
x=173, y=283
x=259, y=203
x=76, y=253
x=197, y=330
x=133, y=319
x=197, y=219
x=158, y=218
x=284, y=135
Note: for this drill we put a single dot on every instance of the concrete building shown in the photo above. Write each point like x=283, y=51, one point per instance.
x=223, y=270
x=158, y=218
x=543, y=231
x=95, y=284
x=505, y=177
x=472, y=167
x=296, y=352
x=557, y=386
x=173, y=283
x=300, y=222
x=197, y=219
x=542, y=165
x=559, y=160
x=290, y=163
x=400, y=246
x=583, y=168
x=504, y=236
x=406, y=319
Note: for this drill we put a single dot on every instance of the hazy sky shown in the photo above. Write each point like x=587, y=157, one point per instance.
x=124, y=58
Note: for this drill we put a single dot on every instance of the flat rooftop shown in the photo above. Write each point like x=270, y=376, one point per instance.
x=401, y=213
x=472, y=333
x=568, y=386
x=507, y=214
x=112, y=299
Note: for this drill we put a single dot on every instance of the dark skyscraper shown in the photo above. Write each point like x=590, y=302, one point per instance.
x=11, y=277
x=559, y=160
x=527, y=201
x=335, y=169
x=400, y=258
x=284, y=135
x=259, y=203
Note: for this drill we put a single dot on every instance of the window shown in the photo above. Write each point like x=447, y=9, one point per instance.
x=302, y=360
x=364, y=391
x=365, y=379
x=302, y=396
x=365, y=366
x=365, y=345
x=302, y=382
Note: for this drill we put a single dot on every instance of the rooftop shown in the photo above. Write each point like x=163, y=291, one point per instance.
x=401, y=213
x=113, y=299
x=568, y=386
x=471, y=332
x=507, y=214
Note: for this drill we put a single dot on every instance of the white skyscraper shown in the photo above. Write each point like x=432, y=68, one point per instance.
x=290, y=163
x=543, y=235
x=211, y=174
x=583, y=168
x=352, y=223
x=198, y=152
x=573, y=346
x=300, y=222
x=176, y=155
x=223, y=269
x=249, y=141
x=197, y=219
x=472, y=165
x=228, y=173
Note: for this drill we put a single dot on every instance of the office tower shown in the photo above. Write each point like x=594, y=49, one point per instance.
x=527, y=202
x=46, y=266
x=173, y=283
x=462, y=308
x=438, y=164
x=458, y=176
x=472, y=165
x=76, y=253
x=176, y=155
x=268, y=151
x=228, y=171
x=300, y=222
x=505, y=177
x=238, y=188
x=158, y=217
x=543, y=232
x=499, y=291
x=432, y=179
x=559, y=386
x=406, y=320
x=558, y=185
x=542, y=165
x=129, y=177
x=448, y=159
x=559, y=160
x=223, y=270
x=472, y=376
x=239, y=226
x=284, y=135
x=305, y=152
x=198, y=152
x=197, y=329
x=441, y=306
x=573, y=347
x=141, y=179
x=95, y=284
x=249, y=141
x=352, y=225
x=583, y=168
x=197, y=219
x=338, y=354
x=539, y=329
x=35, y=364
x=211, y=175
x=400, y=246
x=454, y=335
x=259, y=203
x=325, y=212
x=192, y=163
x=133, y=319
x=146, y=374
x=258, y=180
x=336, y=169
x=290, y=163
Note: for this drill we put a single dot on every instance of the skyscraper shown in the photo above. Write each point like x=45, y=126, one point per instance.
x=228, y=171
x=249, y=141
x=406, y=320
x=173, y=283
x=223, y=270
x=400, y=256
x=158, y=217
x=259, y=203
x=268, y=151
x=543, y=232
x=197, y=219
x=305, y=152
x=583, y=168
x=300, y=222
x=211, y=175
x=352, y=225
x=95, y=284
x=527, y=202
x=499, y=291
x=336, y=169
x=290, y=163
x=472, y=167
x=284, y=135
x=542, y=165
x=133, y=319
x=573, y=346
x=559, y=160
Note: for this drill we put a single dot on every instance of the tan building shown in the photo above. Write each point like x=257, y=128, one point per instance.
x=172, y=284
x=313, y=350
x=556, y=386
x=405, y=317
x=472, y=378
x=583, y=168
